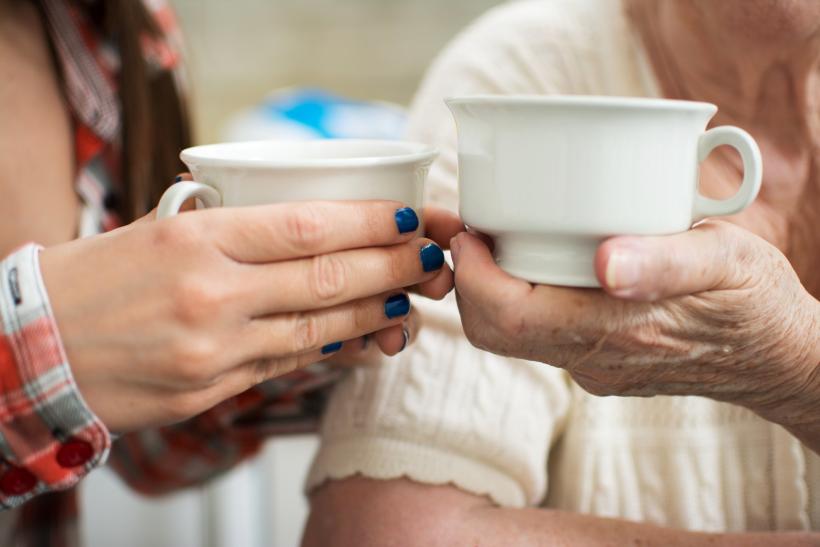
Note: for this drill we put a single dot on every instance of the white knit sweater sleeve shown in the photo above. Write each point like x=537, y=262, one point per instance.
x=444, y=412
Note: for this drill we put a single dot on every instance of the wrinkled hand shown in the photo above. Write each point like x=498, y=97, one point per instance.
x=162, y=320
x=715, y=311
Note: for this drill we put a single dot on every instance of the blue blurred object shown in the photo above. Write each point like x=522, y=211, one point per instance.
x=316, y=114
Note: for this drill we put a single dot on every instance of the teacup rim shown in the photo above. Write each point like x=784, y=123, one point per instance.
x=416, y=152
x=607, y=101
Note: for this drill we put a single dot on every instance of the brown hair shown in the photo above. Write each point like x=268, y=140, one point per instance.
x=155, y=119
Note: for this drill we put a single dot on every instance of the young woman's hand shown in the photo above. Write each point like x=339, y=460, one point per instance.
x=440, y=225
x=163, y=319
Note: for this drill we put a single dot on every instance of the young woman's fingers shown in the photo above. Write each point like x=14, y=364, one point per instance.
x=438, y=287
x=398, y=338
x=367, y=350
x=246, y=376
x=328, y=280
x=441, y=225
x=325, y=329
x=283, y=231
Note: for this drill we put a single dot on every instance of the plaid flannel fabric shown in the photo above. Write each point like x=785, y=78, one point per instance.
x=49, y=439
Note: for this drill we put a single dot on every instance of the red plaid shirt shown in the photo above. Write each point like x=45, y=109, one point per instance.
x=49, y=438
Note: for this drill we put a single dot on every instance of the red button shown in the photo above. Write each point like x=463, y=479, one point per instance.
x=17, y=481
x=74, y=452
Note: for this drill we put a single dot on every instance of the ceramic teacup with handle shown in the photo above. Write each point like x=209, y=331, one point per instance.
x=260, y=172
x=550, y=177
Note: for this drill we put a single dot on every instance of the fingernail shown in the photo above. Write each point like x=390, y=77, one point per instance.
x=432, y=257
x=623, y=271
x=407, y=220
x=406, y=334
x=455, y=248
x=177, y=179
x=332, y=348
x=397, y=305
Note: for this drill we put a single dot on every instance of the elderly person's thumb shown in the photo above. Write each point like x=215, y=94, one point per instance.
x=711, y=256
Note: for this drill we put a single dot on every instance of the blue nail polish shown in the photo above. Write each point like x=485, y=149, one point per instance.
x=432, y=257
x=407, y=220
x=332, y=348
x=397, y=305
x=178, y=178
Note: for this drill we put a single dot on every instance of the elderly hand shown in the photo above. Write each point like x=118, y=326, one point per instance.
x=715, y=311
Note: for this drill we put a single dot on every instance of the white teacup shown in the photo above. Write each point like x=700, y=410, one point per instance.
x=260, y=172
x=551, y=177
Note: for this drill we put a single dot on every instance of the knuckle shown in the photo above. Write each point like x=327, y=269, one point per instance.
x=268, y=369
x=362, y=319
x=177, y=233
x=599, y=389
x=264, y=370
x=731, y=240
x=194, y=361
x=510, y=322
x=373, y=225
x=394, y=268
x=305, y=331
x=184, y=405
x=306, y=228
x=196, y=300
x=328, y=277
x=738, y=252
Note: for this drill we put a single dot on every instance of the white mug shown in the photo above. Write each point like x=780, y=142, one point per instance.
x=260, y=172
x=550, y=177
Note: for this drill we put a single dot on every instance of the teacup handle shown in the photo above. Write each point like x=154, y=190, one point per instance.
x=752, y=172
x=179, y=193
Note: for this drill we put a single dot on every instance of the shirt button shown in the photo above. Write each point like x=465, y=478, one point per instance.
x=74, y=452
x=16, y=481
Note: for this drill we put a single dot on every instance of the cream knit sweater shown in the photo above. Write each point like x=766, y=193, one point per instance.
x=444, y=412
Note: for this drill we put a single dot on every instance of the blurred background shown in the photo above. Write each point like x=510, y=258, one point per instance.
x=240, y=51
x=241, y=55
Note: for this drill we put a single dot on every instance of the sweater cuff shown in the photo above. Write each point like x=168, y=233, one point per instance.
x=49, y=437
x=383, y=458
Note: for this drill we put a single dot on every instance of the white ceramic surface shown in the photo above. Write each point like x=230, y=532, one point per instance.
x=551, y=177
x=259, y=172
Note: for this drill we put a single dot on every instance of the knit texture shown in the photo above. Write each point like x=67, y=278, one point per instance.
x=446, y=413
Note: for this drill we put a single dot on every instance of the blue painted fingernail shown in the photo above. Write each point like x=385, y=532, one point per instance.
x=397, y=305
x=332, y=348
x=407, y=220
x=178, y=178
x=432, y=257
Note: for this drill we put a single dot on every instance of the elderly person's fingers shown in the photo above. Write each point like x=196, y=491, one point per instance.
x=711, y=256
x=491, y=301
x=440, y=225
x=478, y=278
x=438, y=287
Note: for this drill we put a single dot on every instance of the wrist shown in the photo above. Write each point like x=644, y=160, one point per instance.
x=799, y=410
x=53, y=439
